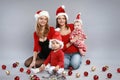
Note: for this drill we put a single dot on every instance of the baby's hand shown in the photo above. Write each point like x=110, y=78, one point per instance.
x=56, y=68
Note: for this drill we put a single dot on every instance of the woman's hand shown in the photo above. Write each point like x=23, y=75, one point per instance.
x=42, y=67
x=32, y=64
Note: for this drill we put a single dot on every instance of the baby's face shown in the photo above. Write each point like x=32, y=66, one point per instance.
x=55, y=45
x=78, y=25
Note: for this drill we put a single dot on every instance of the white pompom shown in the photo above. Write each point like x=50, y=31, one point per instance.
x=63, y=6
x=57, y=29
x=80, y=13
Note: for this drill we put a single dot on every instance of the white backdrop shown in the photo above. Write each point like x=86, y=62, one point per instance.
x=100, y=18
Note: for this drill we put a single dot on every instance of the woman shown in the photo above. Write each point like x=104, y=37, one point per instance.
x=42, y=35
x=72, y=57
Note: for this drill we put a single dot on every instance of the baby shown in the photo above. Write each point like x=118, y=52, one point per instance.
x=55, y=60
x=77, y=36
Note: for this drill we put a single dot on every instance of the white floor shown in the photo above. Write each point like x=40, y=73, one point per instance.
x=96, y=61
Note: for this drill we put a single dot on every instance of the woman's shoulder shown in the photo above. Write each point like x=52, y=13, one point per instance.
x=71, y=26
x=52, y=28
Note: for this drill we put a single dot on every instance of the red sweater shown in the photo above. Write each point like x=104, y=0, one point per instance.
x=37, y=47
x=66, y=39
x=55, y=58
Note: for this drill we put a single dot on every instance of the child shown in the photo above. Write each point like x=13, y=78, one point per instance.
x=77, y=36
x=55, y=60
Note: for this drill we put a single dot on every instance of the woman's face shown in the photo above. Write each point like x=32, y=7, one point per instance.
x=43, y=20
x=61, y=20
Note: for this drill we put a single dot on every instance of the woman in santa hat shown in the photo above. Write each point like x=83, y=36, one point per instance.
x=72, y=57
x=43, y=32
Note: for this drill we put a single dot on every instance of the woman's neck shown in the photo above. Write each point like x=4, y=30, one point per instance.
x=62, y=27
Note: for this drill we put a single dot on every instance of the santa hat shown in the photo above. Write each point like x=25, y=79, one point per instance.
x=61, y=11
x=41, y=13
x=78, y=18
x=58, y=38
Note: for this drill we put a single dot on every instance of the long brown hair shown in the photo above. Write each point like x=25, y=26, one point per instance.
x=58, y=25
x=39, y=28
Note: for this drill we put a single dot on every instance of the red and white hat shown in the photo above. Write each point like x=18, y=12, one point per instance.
x=41, y=13
x=58, y=38
x=78, y=18
x=61, y=11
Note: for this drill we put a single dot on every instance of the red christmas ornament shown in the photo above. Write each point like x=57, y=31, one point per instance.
x=85, y=73
x=28, y=71
x=4, y=67
x=37, y=78
x=14, y=65
x=118, y=70
x=34, y=77
x=17, y=78
x=104, y=68
x=71, y=68
x=95, y=77
x=69, y=72
x=21, y=69
x=88, y=62
x=109, y=75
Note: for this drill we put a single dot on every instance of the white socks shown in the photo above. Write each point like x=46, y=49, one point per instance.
x=36, y=70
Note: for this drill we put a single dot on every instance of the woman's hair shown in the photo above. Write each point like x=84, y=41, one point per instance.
x=58, y=25
x=39, y=28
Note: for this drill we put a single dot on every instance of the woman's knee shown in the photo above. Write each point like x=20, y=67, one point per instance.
x=28, y=62
x=66, y=63
x=76, y=61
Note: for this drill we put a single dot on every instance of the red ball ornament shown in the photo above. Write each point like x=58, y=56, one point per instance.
x=28, y=71
x=69, y=72
x=4, y=67
x=118, y=70
x=104, y=69
x=85, y=73
x=95, y=77
x=37, y=78
x=21, y=69
x=14, y=65
x=88, y=62
x=17, y=78
x=109, y=75
x=34, y=77
x=70, y=68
